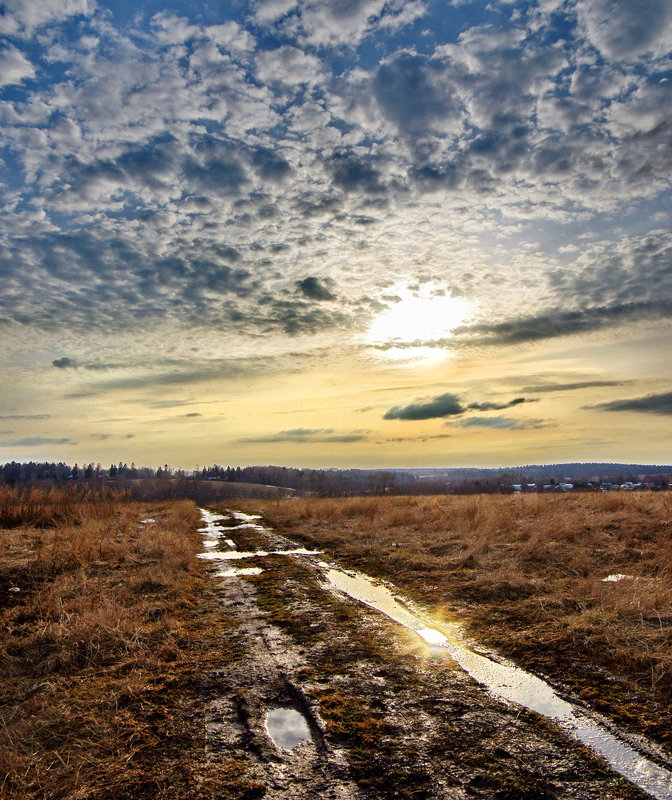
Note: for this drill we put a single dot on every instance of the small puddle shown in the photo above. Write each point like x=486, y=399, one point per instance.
x=239, y=515
x=616, y=577
x=513, y=684
x=287, y=728
x=233, y=573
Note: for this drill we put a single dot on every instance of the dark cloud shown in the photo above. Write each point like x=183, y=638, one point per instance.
x=314, y=289
x=412, y=93
x=270, y=165
x=352, y=173
x=565, y=387
x=445, y=405
x=651, y=403
x=448, y=405
x=216, y=167
x=561, y=323
x=64, y=363
x=193, y=414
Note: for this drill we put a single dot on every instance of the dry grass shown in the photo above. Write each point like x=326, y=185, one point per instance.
x=103, y=649
x=527, y=573
x=44, y=508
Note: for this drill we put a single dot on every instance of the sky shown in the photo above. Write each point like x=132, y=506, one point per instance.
x=367, y=233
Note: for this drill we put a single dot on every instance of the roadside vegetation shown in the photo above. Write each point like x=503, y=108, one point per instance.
x=107, y=634
x=527, y=575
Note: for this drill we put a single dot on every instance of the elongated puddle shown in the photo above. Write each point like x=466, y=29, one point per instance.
x=235, y=555
x=287, y=727
x=514, y=684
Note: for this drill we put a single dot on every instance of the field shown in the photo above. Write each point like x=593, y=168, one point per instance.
x=527, y=574
x=127, y=669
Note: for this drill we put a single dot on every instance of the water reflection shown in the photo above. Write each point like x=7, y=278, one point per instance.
x=287, y=728
x=514, y=684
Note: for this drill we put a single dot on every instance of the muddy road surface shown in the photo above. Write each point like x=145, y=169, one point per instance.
x=331, y=698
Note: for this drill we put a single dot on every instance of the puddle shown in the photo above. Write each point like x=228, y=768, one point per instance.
x=513, y=684
x=233, y=573
x=618, y=576
x=244, y=517
x=287, y=728
x=147, y=521
x=234, y=555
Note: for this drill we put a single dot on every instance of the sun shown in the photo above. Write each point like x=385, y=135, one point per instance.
x=420, y=318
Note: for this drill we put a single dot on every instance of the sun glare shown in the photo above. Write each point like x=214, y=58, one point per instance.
x=409, y=327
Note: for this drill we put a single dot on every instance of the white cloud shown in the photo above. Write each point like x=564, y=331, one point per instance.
x=624, y=30
x=269, y=11
x=14, y=67
x=288, y=65
x=345, y=22
x=24, y=16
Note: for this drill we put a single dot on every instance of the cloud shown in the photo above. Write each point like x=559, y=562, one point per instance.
x=33, y=441
x=312, y=287
x=64, y=363
x=559, y=322
x=502, y=423
x=621, y=29
x=352, y=173
x=418, y=439
x=651, y=403
x=338, y=23
x=25, y=416
x=24, y=16
x=445, y=405
x=306, y=436
x=14, y=67
x=289, y=66
x=413, y=93
x=566, y=387
x=491, y=406
x=448, y=405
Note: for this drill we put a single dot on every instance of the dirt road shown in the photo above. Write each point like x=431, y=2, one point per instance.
x=389, y=716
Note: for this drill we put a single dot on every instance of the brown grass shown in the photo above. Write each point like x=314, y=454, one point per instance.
x=104, y=649
x=526, y=572
x=44, y=508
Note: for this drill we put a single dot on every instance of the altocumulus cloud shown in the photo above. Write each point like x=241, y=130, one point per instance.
x=202, y=196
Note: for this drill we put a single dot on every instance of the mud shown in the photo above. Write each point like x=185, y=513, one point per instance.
x=388, y=715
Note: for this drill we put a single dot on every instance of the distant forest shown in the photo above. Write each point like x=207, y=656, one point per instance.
x=216, y=481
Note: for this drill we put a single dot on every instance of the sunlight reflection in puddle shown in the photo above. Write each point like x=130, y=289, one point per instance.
x=514, y=684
